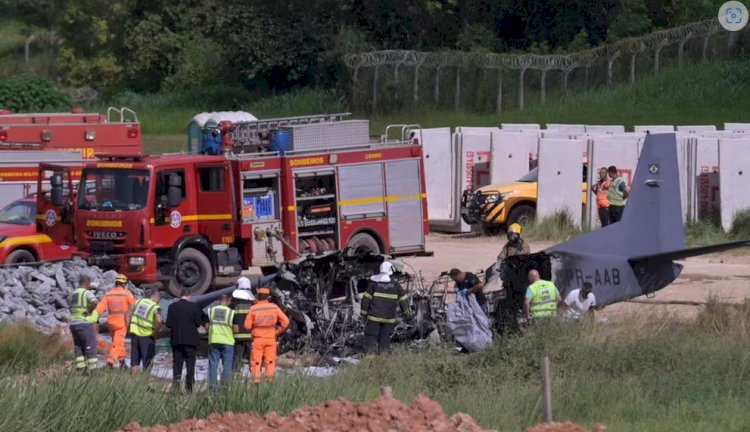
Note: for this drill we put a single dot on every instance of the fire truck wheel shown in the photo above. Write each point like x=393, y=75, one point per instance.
x=20, y=256
x=361, y=243
x=192, y=271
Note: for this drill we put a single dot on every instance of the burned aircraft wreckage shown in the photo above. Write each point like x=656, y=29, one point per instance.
x=321, y=294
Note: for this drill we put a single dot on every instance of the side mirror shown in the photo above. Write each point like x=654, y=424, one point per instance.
x=57, y=190
x=174, y=194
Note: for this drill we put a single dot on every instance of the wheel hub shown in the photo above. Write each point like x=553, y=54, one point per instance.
x=188, y=273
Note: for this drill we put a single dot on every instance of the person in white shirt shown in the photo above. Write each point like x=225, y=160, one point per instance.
x=580, y=302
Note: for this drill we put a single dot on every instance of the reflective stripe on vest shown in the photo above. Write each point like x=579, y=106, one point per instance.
x=144, y=315
x=242, y=335
x=381, y=320
x=79, y=305
x=220, y=332
x=614, y=196
x=543, y=300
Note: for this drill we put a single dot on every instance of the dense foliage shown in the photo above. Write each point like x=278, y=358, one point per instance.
x=177, y=45
x=31, y=93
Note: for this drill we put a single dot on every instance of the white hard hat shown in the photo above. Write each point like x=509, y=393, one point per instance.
x=386, y=268
x=243, y=283
x=243, y=294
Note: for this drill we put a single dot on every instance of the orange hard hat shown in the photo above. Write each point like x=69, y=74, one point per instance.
x=264, y=290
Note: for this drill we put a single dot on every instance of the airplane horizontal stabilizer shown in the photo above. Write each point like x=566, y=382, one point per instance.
x=690, y=252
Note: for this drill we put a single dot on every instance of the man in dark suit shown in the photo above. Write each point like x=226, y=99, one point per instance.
x=184, y=318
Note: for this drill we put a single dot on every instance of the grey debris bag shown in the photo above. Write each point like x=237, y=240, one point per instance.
x=468, y=324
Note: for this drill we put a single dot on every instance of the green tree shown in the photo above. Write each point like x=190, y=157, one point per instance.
x=633, y=20
x=92, y=32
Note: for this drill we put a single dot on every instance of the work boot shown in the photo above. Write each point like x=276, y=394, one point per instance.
x=123, y=365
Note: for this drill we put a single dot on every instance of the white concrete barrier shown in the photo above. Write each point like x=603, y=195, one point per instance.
x=734, y=159
x=560, y=178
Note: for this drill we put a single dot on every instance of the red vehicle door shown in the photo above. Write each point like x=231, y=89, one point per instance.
x=215, y=200
x=54, y=205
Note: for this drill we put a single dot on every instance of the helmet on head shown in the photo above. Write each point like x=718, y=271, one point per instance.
x=514, y=231
x=386, y=268
x=264, y=290
x=211, y=124
x=243, y=294
x=243, y=283
x=121, y=279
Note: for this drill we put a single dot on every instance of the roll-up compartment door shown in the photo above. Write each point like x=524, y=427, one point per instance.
x=361, y=191
x=405, y=228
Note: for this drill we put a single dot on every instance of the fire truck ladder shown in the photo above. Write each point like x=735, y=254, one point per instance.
x=250, y=136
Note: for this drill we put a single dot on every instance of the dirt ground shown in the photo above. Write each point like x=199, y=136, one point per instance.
x=725, y=275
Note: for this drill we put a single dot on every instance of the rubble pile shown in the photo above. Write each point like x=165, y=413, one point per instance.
x=39, y=294
x=381, y=415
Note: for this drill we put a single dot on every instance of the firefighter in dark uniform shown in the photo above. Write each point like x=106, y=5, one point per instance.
x=379, y=304
x=242, y=300
x=516, y=245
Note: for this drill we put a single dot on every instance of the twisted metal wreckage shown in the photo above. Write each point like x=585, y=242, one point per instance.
x=321, y=294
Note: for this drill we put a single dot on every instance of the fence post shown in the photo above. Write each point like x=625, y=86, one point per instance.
x=546, y=390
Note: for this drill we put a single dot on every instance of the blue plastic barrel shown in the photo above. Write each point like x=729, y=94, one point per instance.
x=281, y=141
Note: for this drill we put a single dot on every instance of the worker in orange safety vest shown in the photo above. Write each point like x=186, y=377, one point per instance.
x=266, y=322
x=118, y=303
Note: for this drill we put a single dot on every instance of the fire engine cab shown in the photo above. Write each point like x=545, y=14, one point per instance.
x=184, y=219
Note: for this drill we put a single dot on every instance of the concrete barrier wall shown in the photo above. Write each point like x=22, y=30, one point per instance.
x=734, y=159
x=511, y=153
x=560, y=178
x=439, y=161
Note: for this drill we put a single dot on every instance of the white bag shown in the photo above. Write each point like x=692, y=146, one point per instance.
x=468, y=324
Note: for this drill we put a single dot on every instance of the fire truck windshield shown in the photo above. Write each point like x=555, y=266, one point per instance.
x=108, y=189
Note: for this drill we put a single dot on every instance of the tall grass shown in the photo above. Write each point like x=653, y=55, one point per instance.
x=557, y=227
x=23, y=349
x=634, y=375
x=710, y=231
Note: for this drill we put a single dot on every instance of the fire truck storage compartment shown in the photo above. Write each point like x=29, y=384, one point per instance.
x=405, y=216
x=362, y=191
x=317, y=215
x=261, y=209
x=326, y=136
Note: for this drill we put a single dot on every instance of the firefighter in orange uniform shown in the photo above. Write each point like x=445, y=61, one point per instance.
x=118, y=302
x=263, y=319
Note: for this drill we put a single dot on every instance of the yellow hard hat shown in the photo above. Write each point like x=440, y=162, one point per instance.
x=515, y=228
x=121, y=279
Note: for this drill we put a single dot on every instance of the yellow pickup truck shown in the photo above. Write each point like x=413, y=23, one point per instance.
x=496, y=206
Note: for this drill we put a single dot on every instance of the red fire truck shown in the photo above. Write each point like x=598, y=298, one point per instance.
x=65, y=138
x=183, y=219
x=117, y=131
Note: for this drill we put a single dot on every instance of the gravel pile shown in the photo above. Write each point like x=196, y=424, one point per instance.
x=40, y=294
x=381, y=415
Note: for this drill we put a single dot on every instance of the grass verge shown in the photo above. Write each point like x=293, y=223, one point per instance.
x=634, y=375
x=23, y=349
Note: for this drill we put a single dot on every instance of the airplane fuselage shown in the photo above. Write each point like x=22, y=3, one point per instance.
x=614, y=279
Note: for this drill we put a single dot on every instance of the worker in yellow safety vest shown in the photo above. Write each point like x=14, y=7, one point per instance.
x=145, y=322
x=542, y=298
x=82, y=303
x=220, y=342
